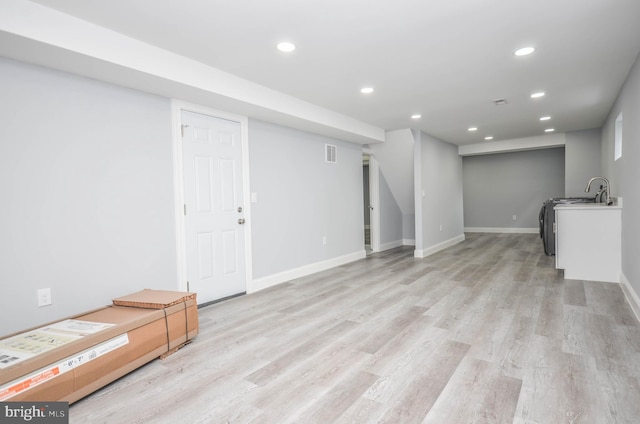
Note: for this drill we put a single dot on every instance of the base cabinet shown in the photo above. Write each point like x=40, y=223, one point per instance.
x=589, y=242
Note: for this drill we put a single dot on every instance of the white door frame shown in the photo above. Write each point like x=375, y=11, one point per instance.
x=177, y=107
x=374, y=200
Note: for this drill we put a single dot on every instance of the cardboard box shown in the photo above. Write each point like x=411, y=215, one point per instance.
x=154, y=299
x=180, y=329
x=127, y=338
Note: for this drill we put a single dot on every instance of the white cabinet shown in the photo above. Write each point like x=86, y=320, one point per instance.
x=589, y=241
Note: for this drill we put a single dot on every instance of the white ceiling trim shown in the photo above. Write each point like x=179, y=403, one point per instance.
x=162, y=72
x=514, y=145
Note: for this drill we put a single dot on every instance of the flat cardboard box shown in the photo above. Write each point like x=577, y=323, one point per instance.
x=154, y=299
x=74, y=370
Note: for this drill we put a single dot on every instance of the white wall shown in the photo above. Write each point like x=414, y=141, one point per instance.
x=438, y=194
x=395, y=158
x=582, y=161
x=87, y=194
x=625, y=172
x=390, y=217
x=300, y=200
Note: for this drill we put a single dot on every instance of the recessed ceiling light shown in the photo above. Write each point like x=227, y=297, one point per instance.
x=367, y=90
x=489, y=137
x=472, y=129
x=538, y=94
x=550, y=130
x=416, y=116
x=524, y=51
x=545, y=118
x=286, y=47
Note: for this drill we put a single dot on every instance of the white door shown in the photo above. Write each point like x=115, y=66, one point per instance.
x=214, y=218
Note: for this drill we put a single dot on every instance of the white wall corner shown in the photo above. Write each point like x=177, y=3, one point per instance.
x=391, y=245
x=284, y=276
x=408, y=242
x=395, y=159
x=631, y=295
x=514, y=145
x=423, y=253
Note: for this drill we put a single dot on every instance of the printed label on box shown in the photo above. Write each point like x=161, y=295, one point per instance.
x=47, y=373
x=31, y=343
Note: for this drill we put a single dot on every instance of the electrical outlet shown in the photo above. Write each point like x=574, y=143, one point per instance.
x=324, y=240
x=514, y=217
x=44, y=297
x=441, y=227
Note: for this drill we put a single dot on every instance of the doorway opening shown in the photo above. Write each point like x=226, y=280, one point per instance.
x=367, y=204
x=371, y=225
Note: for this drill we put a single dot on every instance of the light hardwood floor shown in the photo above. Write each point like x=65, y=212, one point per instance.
x=486, y=331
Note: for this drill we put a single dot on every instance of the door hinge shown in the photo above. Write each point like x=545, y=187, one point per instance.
x=182, y=127
x=187, y=286
x=185, y=209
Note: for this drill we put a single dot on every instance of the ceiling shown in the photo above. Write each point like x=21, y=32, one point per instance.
x=443, y=59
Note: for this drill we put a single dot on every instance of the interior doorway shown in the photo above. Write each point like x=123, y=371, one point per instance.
x=370, y=193
x=367, y=204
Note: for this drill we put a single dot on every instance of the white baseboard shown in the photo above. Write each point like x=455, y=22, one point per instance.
x=631, y=295
x=390, y=245
x=397, y=243
x=438, y=247
x=282, y=277
x=507, y=230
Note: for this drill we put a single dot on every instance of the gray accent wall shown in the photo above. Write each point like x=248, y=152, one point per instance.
x=625, y=172
x=582, y=161
x=86, y=176
x=498, y=186
x=301, y=199
x=438, y=191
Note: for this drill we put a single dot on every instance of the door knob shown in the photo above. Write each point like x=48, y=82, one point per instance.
x=241, y=221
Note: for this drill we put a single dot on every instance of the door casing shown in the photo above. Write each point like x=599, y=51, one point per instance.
x=374, y=199
x=177, y=107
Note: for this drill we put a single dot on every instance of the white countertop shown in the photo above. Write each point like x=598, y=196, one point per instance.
x=586, y=206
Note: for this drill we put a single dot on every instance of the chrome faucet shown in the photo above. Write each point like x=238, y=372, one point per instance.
x=606, y=188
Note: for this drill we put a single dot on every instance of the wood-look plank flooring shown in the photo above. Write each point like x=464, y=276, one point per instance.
x=487, y=331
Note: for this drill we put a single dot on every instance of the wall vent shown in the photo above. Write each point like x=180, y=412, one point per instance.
x=330, y=153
